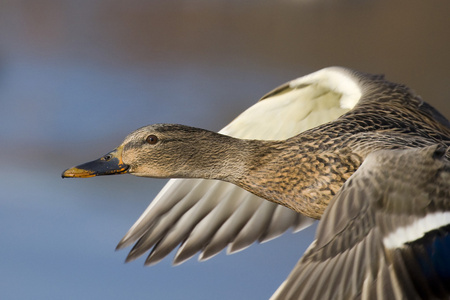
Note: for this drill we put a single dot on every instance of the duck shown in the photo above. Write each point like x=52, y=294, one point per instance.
x=276, y=166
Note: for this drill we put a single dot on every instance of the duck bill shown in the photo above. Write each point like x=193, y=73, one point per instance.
x=109, y=164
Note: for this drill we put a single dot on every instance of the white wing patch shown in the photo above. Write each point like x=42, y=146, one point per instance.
x=305, y=103
x=334, y=79
x=416, y=230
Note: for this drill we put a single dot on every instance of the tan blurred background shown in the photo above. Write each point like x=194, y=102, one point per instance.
x=77, y=76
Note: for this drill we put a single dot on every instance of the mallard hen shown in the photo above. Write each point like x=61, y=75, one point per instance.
x=303, y=172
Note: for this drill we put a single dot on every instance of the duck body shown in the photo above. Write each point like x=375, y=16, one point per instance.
x=323, y=158
x=385, y=235
x=302, y=169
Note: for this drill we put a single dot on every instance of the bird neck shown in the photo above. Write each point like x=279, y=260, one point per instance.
x=286, y=173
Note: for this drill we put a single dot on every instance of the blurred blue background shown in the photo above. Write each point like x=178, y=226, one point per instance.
x=77, y=76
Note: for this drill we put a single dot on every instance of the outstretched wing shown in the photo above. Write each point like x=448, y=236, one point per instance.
x=385, y=235
x=207, y=216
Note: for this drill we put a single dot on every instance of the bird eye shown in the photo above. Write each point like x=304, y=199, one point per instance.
x=152, y=139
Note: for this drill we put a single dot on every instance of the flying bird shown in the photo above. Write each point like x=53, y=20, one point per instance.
x=277, y=165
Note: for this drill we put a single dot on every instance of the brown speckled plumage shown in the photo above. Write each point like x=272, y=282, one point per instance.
x=304, y=172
